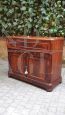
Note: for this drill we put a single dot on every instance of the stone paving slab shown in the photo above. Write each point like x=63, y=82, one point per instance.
x=19, y=98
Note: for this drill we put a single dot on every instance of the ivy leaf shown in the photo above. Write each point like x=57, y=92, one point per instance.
x=10, y=12
x=13, y=2
x=9, y=24
x=64, y=10
x=14, y=23
x=1, y=9
x=30, y=19
x=60, y=16
x=30, y=10
x=23, y=8
x=53, y=30
x=19, y=26
x=43, y=11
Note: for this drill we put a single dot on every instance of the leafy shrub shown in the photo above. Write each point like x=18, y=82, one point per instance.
x=32, y=17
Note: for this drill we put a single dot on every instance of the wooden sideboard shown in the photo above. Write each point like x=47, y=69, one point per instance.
x=35, y=60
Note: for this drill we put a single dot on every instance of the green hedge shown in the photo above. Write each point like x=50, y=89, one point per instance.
x=32, y=17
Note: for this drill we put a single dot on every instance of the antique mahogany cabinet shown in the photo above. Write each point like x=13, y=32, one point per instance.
x=36, y=60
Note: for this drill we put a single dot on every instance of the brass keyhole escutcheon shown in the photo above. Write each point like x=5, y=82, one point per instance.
x=26, y=71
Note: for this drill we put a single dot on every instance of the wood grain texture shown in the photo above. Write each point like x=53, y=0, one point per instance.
x=36, y=60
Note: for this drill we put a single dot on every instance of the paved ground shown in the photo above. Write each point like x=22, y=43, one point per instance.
x=19, y=98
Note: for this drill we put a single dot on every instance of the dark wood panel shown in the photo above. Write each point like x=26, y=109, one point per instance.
x=16, y=62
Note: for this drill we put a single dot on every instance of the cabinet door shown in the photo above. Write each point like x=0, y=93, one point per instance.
x=16, y=62
x=36, y=65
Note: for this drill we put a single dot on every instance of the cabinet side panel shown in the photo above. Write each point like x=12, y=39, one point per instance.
x=56, y=48
x=56, y=65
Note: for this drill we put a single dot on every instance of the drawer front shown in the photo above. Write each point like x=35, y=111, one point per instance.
x=30, y=44
x=33, y=44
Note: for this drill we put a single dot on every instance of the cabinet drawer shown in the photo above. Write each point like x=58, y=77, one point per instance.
x=29, y=44
x=33, y=44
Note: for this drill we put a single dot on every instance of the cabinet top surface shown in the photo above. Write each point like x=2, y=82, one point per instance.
x=35, y=37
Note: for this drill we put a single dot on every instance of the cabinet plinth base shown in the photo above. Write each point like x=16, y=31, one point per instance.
x=44, y=85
